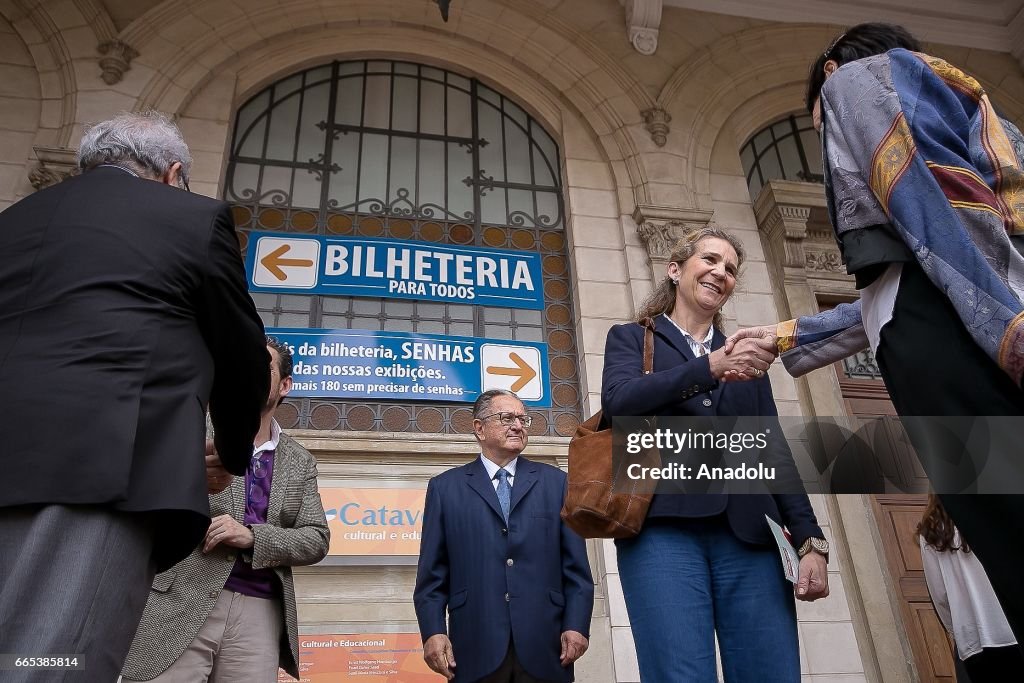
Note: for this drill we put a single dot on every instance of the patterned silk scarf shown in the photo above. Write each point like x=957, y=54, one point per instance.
x=914, y=142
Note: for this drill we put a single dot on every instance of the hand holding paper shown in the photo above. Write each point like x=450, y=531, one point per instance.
x=790, y=560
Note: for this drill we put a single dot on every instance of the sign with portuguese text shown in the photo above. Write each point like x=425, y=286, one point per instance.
x=375, y=365
x=367, y=521
x=348, y=266
x=365, y=657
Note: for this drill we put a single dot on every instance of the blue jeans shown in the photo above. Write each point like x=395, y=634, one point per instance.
x=685, y=580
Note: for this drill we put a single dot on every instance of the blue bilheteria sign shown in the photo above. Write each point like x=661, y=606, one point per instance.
x=373, y=365
x=354, y=266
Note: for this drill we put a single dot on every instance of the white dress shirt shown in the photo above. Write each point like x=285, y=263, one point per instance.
x=699, y=348
x=492, y=471
x=964, y=599
x=877, y=302
x=271, y=445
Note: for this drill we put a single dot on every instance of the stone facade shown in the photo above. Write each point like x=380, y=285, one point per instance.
x=650, y=104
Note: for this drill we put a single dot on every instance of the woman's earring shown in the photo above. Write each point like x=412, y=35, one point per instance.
x=675, y=282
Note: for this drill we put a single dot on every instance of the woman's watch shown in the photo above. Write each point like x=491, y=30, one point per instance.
x=818, y=545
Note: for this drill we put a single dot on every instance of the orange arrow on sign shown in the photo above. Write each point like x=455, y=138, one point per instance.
x=275, y=260
x=524, y=371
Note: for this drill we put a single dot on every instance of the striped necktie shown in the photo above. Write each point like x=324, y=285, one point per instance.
x=504, y=492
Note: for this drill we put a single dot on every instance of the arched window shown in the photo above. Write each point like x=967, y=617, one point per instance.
x=399, y=150
x=788, y=149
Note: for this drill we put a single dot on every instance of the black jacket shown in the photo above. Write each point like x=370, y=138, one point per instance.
x=123, y=312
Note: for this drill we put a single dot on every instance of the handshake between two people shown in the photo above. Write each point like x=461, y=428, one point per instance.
x=746, y=355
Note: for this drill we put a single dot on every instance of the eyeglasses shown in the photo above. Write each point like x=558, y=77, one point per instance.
x=509, y=419
x=258, y=469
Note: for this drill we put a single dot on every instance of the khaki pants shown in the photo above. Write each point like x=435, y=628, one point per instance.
x=239, y=643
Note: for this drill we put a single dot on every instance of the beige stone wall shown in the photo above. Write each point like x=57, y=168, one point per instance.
x=19, y=114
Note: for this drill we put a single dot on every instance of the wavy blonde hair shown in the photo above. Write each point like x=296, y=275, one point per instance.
x=663, y=298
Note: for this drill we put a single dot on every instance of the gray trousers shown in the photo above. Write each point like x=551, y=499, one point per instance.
x=73, y=581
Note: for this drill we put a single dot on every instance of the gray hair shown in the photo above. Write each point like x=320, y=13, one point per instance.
x=147, y=141
x=483, y=401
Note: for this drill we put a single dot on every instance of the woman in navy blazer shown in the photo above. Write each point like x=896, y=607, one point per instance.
x=706, y=564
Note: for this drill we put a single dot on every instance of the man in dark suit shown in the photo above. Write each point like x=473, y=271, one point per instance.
x=514, y=579
x=123, y=313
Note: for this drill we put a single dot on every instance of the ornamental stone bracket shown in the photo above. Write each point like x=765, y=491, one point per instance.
x=54, y=165
x=115, y=58
x=792, y=218
x=660, y=227
x=656, y=122
x=786, y=227
x=643, y=20
x=783, y=210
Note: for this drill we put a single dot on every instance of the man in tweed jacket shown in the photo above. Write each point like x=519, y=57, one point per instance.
x=227, y=611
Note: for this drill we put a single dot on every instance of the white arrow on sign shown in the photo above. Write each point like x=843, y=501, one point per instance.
x=515, y=368
x=286, y=262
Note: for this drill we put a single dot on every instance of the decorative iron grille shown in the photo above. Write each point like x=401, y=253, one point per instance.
x=407, y=151
x=862, y=365
x=788, y=149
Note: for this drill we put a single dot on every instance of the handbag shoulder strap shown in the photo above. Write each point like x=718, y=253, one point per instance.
x=648, y=325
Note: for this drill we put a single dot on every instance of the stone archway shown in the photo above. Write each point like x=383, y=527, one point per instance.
x=556, y=54
x=604, y=247
x=21, y=105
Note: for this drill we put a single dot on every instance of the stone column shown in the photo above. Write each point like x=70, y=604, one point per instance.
x=808, y=269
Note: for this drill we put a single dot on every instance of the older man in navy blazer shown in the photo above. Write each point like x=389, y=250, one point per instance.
x=513, y=578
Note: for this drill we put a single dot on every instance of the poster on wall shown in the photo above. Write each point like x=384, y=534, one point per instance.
x=365, y=657
x=374, y=365
x=286, y=263
x=378, y=522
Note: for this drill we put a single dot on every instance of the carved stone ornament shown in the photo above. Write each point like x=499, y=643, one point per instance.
x=116, y=57
x=660, y=237
x=656, y=122
x=827, y=261
x=53, y=166
x=660, y=227
x=643, y=19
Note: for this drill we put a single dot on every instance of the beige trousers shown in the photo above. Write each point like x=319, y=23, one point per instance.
x=239, y=643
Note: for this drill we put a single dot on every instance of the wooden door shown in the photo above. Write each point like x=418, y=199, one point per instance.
x=897, y=515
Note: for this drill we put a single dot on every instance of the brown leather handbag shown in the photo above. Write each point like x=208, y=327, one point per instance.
x=600, y=502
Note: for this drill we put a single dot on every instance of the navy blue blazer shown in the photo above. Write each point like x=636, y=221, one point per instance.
x=679, y=385
x=528, y=580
